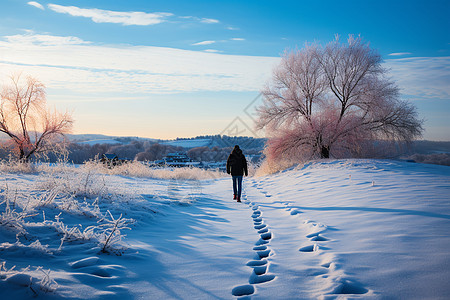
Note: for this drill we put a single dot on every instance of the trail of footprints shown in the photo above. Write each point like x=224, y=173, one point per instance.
x=260, y=263
x=343, y=286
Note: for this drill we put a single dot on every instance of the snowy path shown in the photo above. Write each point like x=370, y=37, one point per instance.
x=330, y=230
x=313, y=234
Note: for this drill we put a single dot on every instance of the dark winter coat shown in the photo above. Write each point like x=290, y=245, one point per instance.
x=236, y=163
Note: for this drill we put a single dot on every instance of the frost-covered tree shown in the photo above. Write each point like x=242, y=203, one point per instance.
x=333, y=101
x=25, y=119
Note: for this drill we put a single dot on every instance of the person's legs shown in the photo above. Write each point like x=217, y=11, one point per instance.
x=239, y=181
x=235, y=189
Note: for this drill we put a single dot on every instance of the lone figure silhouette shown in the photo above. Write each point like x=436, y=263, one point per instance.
x=237, y=167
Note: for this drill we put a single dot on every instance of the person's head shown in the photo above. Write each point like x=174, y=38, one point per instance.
x=237, y=150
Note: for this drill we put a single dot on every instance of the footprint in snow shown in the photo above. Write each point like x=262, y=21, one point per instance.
x=243, y=290
x=310, y=248
x=256, y=214
x=319, y=238
x=266, y=236
x=254, y=278
x=261, y=242
x=259, y=248
x=261, y=226
x=256, y=263
x=263, y=253
x=264, y=230
x=348, y=287
x=260, y=270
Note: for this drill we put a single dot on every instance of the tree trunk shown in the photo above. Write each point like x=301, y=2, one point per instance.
x=325, y=152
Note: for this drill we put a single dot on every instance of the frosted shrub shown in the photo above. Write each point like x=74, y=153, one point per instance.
x=74, y=182
x=137, y=169
x=70, y=234
x=11, y=218
x=14, y=166
x=47, y=283
x=111, y=234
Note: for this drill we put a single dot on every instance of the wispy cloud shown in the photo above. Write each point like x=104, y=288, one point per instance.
x=209, y=21
x=422, y=77
x=203, y=43
x=71, y=65
x=212, y=50
x=399, y=53
x=237, y=39
x=201, y=20
x=108, y=16
x=36, y=4
x=32, y=39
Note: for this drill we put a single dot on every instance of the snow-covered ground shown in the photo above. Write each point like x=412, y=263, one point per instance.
x=102, y=141
x=337, y=229
x=189, y=143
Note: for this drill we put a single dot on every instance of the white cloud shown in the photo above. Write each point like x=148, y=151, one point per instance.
x=232, y=28
x=71, y=65
x=44, y=40
x=399, y=53
x=209, y=21
x=422, y=77
x=203, y=43
x=36, y=4
x=237, y=39
x=108, y=16
x=212, y=51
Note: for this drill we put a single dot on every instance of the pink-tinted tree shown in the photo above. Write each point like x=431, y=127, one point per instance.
x=24, y=118
x=333, y=101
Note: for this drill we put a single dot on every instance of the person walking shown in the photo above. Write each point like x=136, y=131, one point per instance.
x=237, y=167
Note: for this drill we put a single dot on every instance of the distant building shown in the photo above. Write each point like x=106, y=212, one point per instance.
x=112, y=160
x=177, y=159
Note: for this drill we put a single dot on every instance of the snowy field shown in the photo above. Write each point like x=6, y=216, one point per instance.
x=337, y=229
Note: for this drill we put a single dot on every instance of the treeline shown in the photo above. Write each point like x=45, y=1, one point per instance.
x=148, y=151
x=135, y=150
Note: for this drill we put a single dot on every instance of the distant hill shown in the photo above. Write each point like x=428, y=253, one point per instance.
x=220, y=141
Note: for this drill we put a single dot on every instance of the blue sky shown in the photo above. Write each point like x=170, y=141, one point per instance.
x=164, y=69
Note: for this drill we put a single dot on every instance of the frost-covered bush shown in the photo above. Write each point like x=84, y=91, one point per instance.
x=14, y=166
x=24, y=278
x=436, y=158
x=9, y=216
x=138, y=169
x=110, y=232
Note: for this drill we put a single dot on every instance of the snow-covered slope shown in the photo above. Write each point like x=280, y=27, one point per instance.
x=189, y=143
x=103, y=141
x=369, y=229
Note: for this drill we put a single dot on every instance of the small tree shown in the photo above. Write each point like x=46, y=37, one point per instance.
x=24, y=117
x=333, y=101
